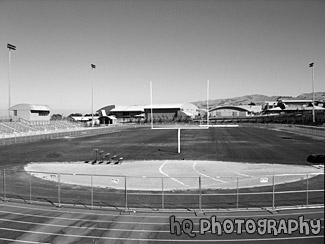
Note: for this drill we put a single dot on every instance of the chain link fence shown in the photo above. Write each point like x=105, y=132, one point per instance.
x=160, y=193
x=25, y=137
x=300, y=129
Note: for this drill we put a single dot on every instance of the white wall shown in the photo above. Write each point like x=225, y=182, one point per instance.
x=27, y=115
x=190, y=108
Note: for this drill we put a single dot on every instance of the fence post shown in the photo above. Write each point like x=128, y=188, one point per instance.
x=125, y=194
x=307, y=192
x=273, y=193
x=59, y=190
x=92, y=191
x=162, y=193
x=237, y=193
x=179, y=140
x=30, y=187
x=200, y=195
x=4, y=185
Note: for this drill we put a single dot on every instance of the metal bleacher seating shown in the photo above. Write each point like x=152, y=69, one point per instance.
x=15, y=127
x=19, y=127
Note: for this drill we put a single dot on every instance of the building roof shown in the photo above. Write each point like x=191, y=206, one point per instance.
x=289, y=101
x=162, y=106
x=138, y=108
x=295, y=109
x=188, y=114
x=128, y=109
x=243, y=108
x=25, y=106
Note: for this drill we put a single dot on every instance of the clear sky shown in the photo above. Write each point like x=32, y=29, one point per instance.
x=241, y=47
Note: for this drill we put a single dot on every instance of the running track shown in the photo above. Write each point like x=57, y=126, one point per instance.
x=28, y=223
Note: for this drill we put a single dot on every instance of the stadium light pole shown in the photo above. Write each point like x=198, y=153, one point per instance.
x=10, y=47
x=92, y=94
x=151, y=115
x=311, y=65
x=208, y=102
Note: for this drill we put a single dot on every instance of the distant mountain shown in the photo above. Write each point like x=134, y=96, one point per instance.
x=257, y=99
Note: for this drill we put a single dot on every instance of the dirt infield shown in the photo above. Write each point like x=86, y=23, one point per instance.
x=177, y=175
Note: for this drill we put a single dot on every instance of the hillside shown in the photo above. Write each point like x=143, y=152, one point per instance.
x=257, y=99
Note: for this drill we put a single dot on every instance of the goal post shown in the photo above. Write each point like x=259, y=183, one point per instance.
x=178, y=128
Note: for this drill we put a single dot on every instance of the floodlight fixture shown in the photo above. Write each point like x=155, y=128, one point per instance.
x=11, y=47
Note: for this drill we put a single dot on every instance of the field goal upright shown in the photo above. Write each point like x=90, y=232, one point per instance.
x=178, y=128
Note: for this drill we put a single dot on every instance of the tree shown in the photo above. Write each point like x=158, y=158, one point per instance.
x=75, y=115
x=281, y=104
x=56, y=117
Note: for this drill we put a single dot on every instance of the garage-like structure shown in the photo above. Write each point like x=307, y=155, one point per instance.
x=235, y=111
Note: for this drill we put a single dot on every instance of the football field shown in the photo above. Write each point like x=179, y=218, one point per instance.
x=254, y=147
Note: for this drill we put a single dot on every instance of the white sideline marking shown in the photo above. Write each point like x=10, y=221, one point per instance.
x=162, y=172
x=206, y=175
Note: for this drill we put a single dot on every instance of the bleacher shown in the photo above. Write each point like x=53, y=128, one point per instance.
x=14, y=127
x=20, y=127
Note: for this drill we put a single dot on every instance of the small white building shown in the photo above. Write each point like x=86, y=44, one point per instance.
x=290, y=106
x=32, y=113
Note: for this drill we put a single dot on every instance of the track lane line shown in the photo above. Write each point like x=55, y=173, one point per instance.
x=84, y=220
x=85, y=227
x=207, y=176
x=162, y=172
x=163, y=240
x=22, y=241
